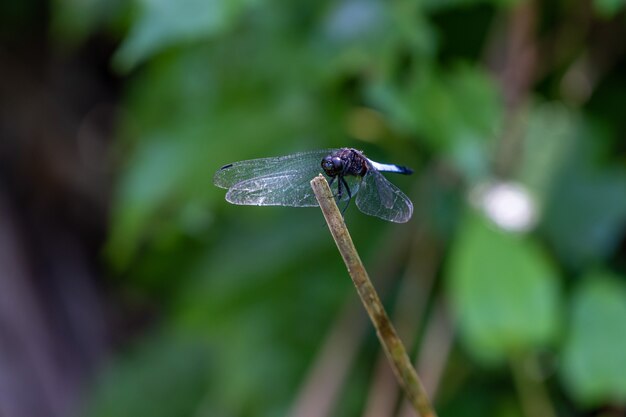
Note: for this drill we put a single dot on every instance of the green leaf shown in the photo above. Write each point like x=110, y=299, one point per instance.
x=164, y=23
x=356, y=21
x=73, y=21
x=146, y=186
x=608, y=8
x=585, y=214
x=586, y=217
x=457, y=113
x=355, y=34
x=548, y=142
x=594, y=357
x=504, y=291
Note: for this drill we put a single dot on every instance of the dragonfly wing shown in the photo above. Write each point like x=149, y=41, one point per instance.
x=378, y=197
x=237, y=172
x=287, y=188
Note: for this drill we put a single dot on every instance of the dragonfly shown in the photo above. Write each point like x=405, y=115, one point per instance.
x=285, y=181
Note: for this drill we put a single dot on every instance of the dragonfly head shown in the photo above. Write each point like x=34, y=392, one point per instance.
x=332, y=165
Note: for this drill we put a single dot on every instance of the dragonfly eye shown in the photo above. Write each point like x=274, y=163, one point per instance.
x=332, y=165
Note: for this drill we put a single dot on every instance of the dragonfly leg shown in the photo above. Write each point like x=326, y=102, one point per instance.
x=349, y=194
x=330, y=183
x=339, y=190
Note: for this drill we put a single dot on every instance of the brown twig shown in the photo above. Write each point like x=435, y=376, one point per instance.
x=534, y=397
x=392, y=345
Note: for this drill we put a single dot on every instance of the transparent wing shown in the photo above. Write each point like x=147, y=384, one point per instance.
x=283, y=189
x=278, y=181
x=231, y=174
x=378, y=197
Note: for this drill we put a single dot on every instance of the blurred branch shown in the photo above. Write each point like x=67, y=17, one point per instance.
x=318, y=395
x=413, y=296
x=404, y=371
x=434, y=352
x=532, y=392
x=512, y=53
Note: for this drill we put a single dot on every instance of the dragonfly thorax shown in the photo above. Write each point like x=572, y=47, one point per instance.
x=344, y=162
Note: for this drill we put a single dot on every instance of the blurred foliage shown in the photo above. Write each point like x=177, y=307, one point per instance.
x=149, y=372
x=247, y=294
x=594, y=354
x=609, y=8
x=492, y=271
